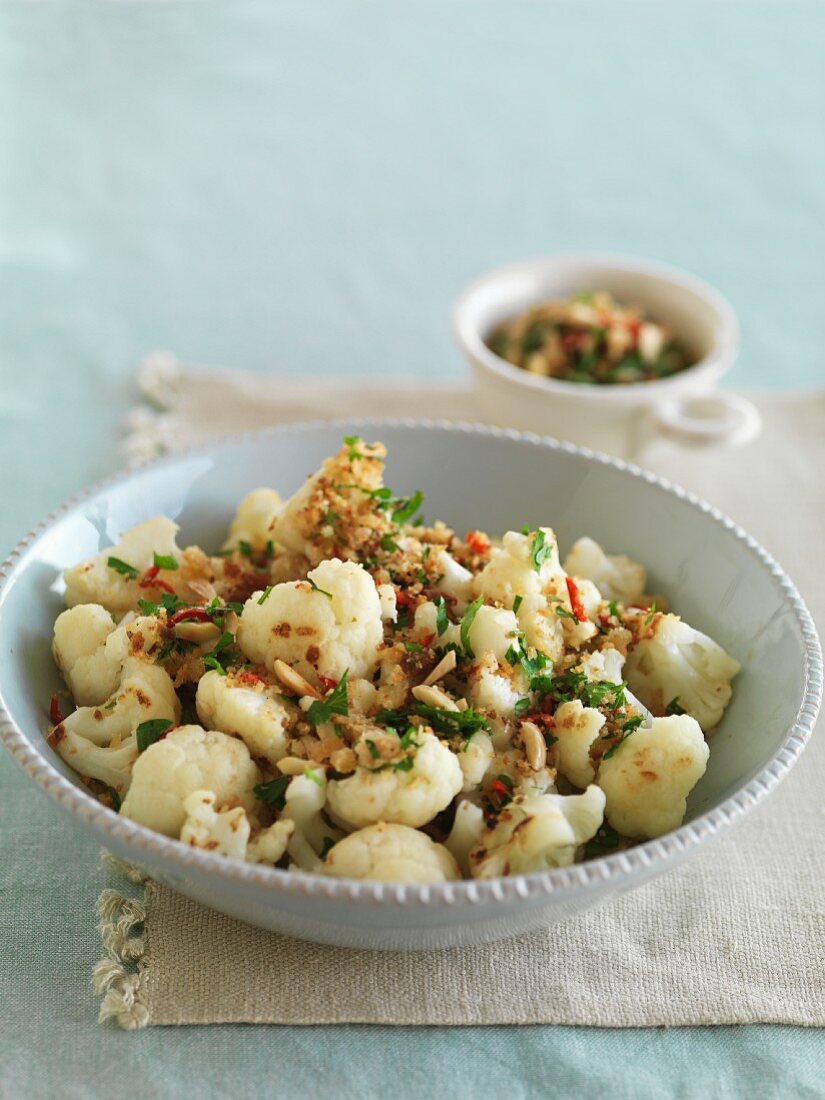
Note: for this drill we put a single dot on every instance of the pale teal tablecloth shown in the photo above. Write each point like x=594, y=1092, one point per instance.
x=305, y=186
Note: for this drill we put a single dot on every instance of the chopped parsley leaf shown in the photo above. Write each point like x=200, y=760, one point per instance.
x=407, y=507
x=149, y=732
x=352, y=442
x=244, y=547
x=273, y=793
x=164, y=561
x=123, y=567
x=441, y=620
x=461, y=723
x=326, y=846
x=388, y=544
x=541, y=550
x=211, y=659
x=334, y=702
x=413, y=647
x=675, y=707
x=264, y=596
x=613, y=609
x=650, y=614
x=374, y=751
x=315, y=588
x=605, y=840
x=517, y=604
x=467, y=622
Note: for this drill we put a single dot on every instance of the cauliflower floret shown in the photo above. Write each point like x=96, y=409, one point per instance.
x=269, y=845
x=253, y=711
x=224, y=832
x=109, y=765
x=455, y=581
x=475, y=759
x=389, y=608
x=306, y=797
x=188, y=759
x=615, y=576
x=79, y=650
x=578, y=631
x=412, y=797
x=322, y=628
x=491, y=690
x=254, y=518
x=576, y=729
x=651, y=773
x=337, y=506
x=465, y=833
x=678, y=662
x=493, y=630
x=92, y=581
x=90, y=650
x=388, y=852
x=425, y=625
x=604, y=664
x=511, y=572
x=145, y=692
x=537, y=832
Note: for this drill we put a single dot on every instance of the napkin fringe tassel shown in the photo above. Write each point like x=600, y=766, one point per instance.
x=120, y=975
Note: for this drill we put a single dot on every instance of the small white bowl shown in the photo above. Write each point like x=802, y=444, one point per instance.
x=616, y=418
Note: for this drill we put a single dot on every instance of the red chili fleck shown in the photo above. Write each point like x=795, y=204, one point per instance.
x=327, y=682
x=54, y=712
x=251, y=678
x=477, y=541
x=149, y=576
x=576, y=601
x=427, y=640
x=497, y=787
x=633, y=328
x=404, y=599
x=189, y=614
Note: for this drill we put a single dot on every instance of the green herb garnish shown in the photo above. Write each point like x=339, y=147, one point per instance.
x=467, y=622
x=273, y=793
x=316, y=779
x=264, y=596
x=151, y=731
x=441, y=620
x=334, y=702
x=605, y=840
x=454, y=723
x=315, y=588
x=123, y=567
x=675, y=707
x=407, y=507
x=211, y=659
x=541, y=550
x=164, y=561
x=517, y=604
x=352, y=442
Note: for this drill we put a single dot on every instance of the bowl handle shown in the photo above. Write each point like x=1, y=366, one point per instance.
x=717, y=418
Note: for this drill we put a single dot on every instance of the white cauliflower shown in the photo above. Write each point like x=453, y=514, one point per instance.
x=306, y=797
x=678, y=662
x=604, y=664
x=90, y=649
x=649, y=776
x=188, y=759
x=227, y=832
x=249, y=708
x=93, y=581
x=512, y=572
x=254, y=519
x=387, y=852
x=145, y=692
x=538, y=832
x=455, y=581
x=576, y=729
x=493, y=630
x=224, y=832
x=475, y=759
x=79, y=650
x=406, y=797
x=465, y=833
x=269, y=845
x=425, y=626
x=615, y=576
x=577, y=630
x=323, y=626
x=111, y=765
x=490, y=690
x=387, y=598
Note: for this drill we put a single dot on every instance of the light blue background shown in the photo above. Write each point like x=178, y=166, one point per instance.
x=305, y=186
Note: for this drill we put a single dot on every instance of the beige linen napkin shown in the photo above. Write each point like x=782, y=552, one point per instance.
x=734, y=935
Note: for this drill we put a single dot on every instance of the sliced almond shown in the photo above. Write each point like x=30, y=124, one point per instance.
x=292, y=765
x=293, y=681
x=197, y=632
x=535, y=748
x=434, y=697
x=462, y=704
x=204, y=589
x=445, y=665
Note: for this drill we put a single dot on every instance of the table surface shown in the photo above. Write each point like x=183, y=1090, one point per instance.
x=305, y=187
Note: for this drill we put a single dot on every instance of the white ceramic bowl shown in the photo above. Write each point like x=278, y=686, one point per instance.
x=474, y=477
x=613, y=418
